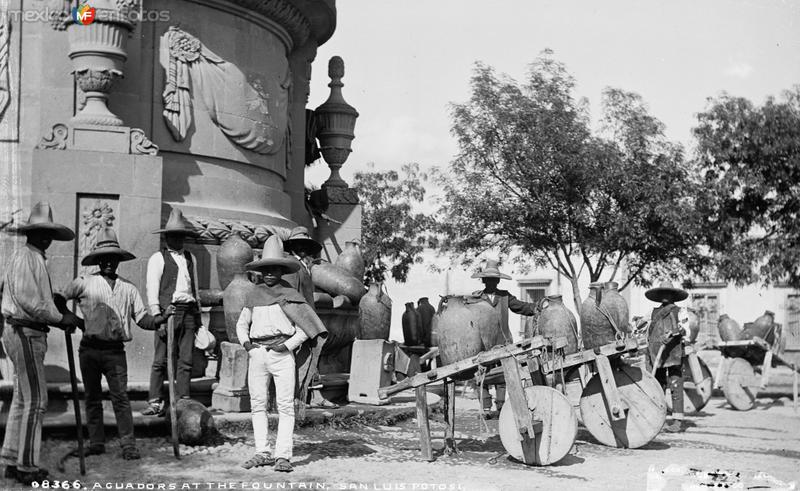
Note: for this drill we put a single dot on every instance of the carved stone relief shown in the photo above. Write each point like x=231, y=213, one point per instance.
x=217, y=230
x=95, y=213
x=5, y=60
x=238, y=105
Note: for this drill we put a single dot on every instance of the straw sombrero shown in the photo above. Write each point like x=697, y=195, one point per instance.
x=41, y=219
x=491, y=270
x=107, y=245
x=666, y=293
x=273, y=255
x=299, y=237
x=177, y=224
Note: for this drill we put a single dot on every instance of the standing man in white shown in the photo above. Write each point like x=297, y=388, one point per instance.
x=172, y=280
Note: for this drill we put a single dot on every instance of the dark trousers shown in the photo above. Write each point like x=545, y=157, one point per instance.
x=95, y=363
x=673, y=377
x=185, y=327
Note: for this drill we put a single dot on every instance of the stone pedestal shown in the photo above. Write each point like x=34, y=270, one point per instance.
x=231, y=395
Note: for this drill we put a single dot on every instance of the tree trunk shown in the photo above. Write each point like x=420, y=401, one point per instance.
x=576, y=296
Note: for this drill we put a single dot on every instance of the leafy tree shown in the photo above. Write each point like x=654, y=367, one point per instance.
x=532, y=177
x=393, y=232
x=749, y=160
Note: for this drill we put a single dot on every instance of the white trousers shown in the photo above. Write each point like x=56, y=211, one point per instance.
x=264, y=366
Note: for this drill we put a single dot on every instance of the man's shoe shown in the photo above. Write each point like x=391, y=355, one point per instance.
x=11, y=472
x=677, y=426
x=259, y=460
x=283, y=465
x=28, y=478
x=131, y=453
x=155, y=408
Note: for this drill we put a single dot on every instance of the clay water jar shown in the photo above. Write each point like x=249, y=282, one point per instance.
x=555, y=320
x=426, y=313
x=231, y=258
x=351, y=260
x=596, y=329
x=763, y=327
x=375, y=313
x=412, y=326
x=465, y=326
x=337, y=281
x=728, y=329
x=616, y=305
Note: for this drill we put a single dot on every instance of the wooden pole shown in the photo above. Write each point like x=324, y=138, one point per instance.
x=423, y=424
x=73, y=379
x=450, y=416
x=173, y=410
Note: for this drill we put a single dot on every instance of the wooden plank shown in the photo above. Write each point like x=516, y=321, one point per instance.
x=450, y=417
x=697, y=373
x=483, y=358
x=586, y=356
x=423, y=424
x=720, y=372
x=765, y=369
x=515, y=395
x=615, y=405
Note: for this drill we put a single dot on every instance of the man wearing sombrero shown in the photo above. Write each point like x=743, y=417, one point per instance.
x=109, y=303
x=502, y=301
x=302, y=247
x=28, y=309
x=172, y=280
x=665, y=346
x=274, y=322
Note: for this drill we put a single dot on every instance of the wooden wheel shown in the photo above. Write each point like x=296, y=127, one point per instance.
x=643, y=417
x=694, y=399
x=554, y=435
x=737, y=384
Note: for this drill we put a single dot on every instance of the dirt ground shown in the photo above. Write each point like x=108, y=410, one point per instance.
x=386, y=457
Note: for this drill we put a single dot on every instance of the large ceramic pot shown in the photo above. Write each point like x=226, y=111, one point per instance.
x=426, y=313
x=336, y=281
x=616, y=305
x=729, y=329
x=351, y=260
x=763, y=327
x=465, y=326
x=231, y=258
x=555, y=320
x=375, y=313
x=412, y=326
x=596, y=329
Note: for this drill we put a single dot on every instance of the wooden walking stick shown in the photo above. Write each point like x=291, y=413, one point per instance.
x=173, y=411
x=75, y=402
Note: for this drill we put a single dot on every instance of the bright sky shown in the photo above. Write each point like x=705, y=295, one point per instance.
x=406, y=60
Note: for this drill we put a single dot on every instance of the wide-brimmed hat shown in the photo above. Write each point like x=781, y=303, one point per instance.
x=41, y=220
x=298, y=238
x=666, y=293
x=491, y=270
x=273, y=255
x=106, y=245
x=177, y=224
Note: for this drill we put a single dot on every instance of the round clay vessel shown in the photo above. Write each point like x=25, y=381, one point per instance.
x=463, y=327
x=336, y=281
x=375, y=313
x=231, y=258
x=596, y=329
x=426, y=313
x=351, y=260
x=729, y=329
x=763, y=327
x=555, y=320
x=233, y=300
x=616, y=305
x=412, y=326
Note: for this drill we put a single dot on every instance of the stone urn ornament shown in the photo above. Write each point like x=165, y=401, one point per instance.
x=98, y=42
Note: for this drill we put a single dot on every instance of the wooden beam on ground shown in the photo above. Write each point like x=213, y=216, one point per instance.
x=423, y=424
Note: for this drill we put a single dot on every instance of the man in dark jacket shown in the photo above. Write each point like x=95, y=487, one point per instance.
x=502, y=301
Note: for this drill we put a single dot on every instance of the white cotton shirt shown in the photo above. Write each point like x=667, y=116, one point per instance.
x=183, y=284
x=266, y=322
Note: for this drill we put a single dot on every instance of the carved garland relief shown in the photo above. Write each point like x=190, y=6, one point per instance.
x=238, y=106
x=5, y=56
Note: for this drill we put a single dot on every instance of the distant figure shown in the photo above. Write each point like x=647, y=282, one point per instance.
x=28, y=309
x=172, y=280
x=275, y=321
x=502, y=301
x=109, y=303
x=665, y=346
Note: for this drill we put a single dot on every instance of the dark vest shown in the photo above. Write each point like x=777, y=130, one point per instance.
x=169, y=278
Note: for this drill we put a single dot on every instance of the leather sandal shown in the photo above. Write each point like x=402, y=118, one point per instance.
x=283, y=465
x=131, y=453
x=259, y=460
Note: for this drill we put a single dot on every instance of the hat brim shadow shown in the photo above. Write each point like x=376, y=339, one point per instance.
x=666, y=294
x=290, y=265
x=54, y=230
x=93, y=258
x=491, y=275
x=181, y=231
x=311, y=244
